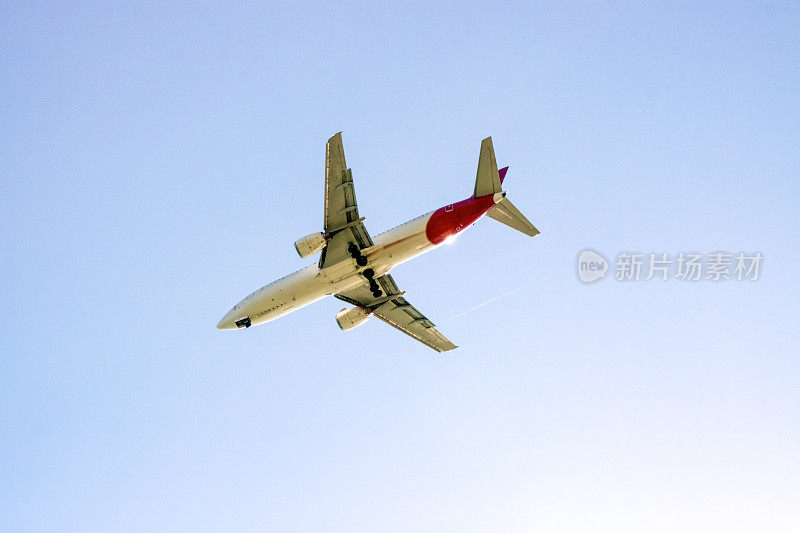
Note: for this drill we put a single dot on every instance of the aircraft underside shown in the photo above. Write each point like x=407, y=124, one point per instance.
x=355, y=268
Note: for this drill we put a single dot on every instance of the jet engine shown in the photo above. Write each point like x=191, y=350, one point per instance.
x=350, y=318
x=310, y=244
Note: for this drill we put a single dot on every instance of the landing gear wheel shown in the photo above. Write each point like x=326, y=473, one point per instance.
x=353, y=250
x=361, y=261
x=368, y=273
x=377, y=294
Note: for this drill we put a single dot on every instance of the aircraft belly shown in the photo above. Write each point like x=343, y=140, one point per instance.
x=285, y=295
x=311, y=284
x=403, y=242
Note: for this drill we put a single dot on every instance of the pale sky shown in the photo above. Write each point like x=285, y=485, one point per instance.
x=157, y=162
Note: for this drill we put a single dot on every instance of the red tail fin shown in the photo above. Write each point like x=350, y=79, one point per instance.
x=502, y=173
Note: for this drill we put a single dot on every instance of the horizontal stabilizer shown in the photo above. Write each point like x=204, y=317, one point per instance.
x=505, y=212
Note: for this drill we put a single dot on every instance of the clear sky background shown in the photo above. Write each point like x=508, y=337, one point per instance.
x=158, y=161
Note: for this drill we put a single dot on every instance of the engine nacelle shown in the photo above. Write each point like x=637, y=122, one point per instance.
x=350, y=318
x=310, y=244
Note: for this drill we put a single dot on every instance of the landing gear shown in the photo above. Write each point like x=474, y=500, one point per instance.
x=375, y=288
x=368, y=272
x=373, y=285
x=355, y=253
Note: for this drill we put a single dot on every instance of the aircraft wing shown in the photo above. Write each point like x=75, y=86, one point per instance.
x=342, y=223
x=396, y=311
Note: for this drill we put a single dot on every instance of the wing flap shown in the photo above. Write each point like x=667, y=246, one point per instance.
x=341, y=221
x=398, y=313
x=405, y=317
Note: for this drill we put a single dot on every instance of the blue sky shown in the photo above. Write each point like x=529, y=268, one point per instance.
x=158, y=161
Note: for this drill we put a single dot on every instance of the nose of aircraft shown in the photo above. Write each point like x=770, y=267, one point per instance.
x=228, y=321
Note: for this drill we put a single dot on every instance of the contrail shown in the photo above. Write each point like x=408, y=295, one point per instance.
x=495, y=298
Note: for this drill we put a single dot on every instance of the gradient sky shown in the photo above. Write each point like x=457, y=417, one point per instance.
x=158, y=161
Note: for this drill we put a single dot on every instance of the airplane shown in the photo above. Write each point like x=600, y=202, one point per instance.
x=354, y=267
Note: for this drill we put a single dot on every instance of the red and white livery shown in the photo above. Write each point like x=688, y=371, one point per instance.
x=354, y=267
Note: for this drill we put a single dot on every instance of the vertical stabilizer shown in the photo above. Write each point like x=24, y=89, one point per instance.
x=488, y=179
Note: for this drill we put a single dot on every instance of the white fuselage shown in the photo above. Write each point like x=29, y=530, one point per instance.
x=310, y=284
